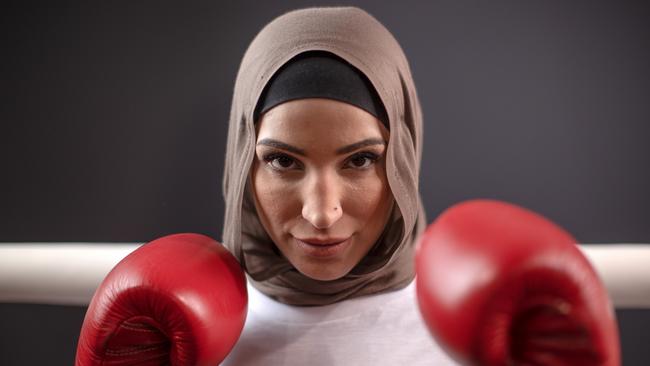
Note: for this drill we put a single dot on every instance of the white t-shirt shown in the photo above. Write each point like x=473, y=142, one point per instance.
x=382, y=329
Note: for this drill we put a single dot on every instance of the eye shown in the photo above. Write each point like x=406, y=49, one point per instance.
x=281, y=162
x=362, y=160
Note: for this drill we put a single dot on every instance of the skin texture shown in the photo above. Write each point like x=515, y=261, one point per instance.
x=322, y=194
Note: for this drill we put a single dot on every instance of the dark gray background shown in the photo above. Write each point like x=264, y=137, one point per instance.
x=114, y=119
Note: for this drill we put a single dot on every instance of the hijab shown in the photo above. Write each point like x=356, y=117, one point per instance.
x=358, y=38
x=320, y=74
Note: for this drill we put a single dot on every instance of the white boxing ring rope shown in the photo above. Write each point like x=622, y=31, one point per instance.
x=69, y=273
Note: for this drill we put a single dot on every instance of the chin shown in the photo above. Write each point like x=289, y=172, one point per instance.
x=321, y=275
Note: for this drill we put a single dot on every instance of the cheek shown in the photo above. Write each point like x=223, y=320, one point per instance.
x=275, y=198
x=369, y=197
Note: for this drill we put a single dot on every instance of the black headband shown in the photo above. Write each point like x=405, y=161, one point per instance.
x=321, y=74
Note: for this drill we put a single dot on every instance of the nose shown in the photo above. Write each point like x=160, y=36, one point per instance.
x=322, y=201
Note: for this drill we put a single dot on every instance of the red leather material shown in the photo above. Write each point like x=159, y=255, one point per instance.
x=498, y=284
x=178, y=300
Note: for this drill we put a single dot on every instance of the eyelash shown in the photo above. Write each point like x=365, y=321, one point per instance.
x=369, y=156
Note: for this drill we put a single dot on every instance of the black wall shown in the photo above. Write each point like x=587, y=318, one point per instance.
x=114, y=115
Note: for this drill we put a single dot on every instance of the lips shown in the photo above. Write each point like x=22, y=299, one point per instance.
x=322, y=248
x=323, y=242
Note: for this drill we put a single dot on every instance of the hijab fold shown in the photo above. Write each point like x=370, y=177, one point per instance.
x=357, y=37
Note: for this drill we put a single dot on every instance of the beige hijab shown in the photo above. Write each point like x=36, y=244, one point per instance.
x=359, y=38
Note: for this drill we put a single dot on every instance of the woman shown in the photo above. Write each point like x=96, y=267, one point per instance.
x=321, y=189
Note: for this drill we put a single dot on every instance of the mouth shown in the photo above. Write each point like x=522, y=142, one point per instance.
x=322, y=242
x=322, y=247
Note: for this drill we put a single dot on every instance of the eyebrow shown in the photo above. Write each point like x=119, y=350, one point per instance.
x=340, y=151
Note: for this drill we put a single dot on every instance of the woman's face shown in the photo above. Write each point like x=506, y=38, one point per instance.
x=319, y=178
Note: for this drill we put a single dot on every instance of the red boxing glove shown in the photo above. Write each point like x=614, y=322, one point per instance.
x=178, y=300
x=500, y=285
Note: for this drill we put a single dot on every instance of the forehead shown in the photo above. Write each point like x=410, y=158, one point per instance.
x=317, y=121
